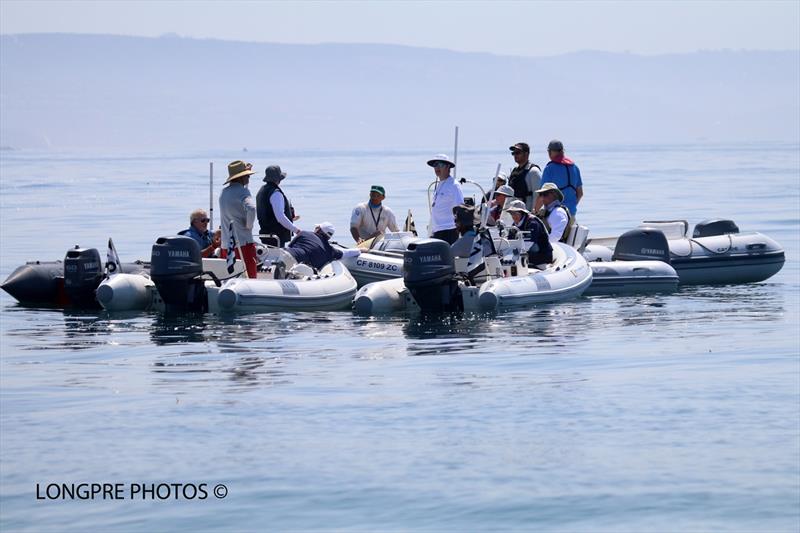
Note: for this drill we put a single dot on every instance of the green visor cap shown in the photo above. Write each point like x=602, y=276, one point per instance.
x=378, y=189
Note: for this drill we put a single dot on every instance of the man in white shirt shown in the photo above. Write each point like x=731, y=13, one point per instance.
x=276, y=215
x=447, y=195
x=372, y=218
x=554, y=214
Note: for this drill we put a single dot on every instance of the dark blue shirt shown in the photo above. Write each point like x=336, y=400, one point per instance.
x=309, y=248
x=203, y=239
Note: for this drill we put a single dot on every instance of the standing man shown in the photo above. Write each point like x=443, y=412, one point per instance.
x=554, y=214
x=447, y=195
x=526, y=176
x=275, y=212
x=237, y=208
x=198, y=230
x=565, y=174
x=372, y=218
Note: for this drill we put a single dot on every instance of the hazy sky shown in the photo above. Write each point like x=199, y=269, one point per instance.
x=502, y=27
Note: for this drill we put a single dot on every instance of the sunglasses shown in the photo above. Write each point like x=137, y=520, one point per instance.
x=440, y=164
x=203, y=220
x=516, y=152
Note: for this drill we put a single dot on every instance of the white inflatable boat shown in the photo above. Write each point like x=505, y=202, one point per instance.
x=715, y=254
x=433, y=281
x=384, y=261
x=182, y=281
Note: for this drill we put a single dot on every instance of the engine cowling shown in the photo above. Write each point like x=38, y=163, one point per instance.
x=83, y=272
x=643, y=244
x=175, y=267
x=429, y=273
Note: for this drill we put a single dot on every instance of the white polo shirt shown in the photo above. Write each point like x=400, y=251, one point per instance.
x=447, y=195
x=369, y=220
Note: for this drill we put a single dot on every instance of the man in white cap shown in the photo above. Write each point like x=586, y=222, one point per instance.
x=238, y=210
x=555, y=215
x=314, y=248
x=372, y=218
x=446, y=196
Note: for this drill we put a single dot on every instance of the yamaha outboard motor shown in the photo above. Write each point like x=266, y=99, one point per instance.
x=429, y=273
x=175, y=268
x=83, y=272
x=642, y=244
x=709, y=228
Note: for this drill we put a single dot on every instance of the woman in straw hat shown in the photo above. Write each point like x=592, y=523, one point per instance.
x=238, y=212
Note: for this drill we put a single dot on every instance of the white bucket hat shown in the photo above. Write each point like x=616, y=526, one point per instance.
x=505, y=190
x=443, y=158
x=517, y=205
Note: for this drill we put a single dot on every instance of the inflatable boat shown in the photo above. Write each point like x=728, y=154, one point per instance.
x=187, y=283
x=384, y=261
x=716, y=253
x=70, y=283
x=434, y=281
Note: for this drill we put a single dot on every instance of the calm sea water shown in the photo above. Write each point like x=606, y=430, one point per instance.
x=660, y=412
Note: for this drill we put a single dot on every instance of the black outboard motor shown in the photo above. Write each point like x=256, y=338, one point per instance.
x=83, y=272
x=709, y=228
x=175, y=268
x=429, y=273
x=642, y=244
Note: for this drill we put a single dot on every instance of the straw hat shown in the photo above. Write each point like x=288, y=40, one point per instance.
x=238, y=169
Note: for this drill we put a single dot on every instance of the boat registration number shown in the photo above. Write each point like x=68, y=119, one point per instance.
x=375, y=265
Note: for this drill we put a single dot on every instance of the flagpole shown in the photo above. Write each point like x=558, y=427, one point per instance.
x=455, y=156
x=211, y=195
x=485, y=213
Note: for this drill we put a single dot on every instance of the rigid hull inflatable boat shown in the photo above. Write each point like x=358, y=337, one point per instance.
x=433, y=281
x=717, y=253
x=69, y=284
x=384, y=261
x=185, y=282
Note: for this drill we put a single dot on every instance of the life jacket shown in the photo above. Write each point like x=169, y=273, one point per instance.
x=544, y=214
x=519, y=182
x=267, y=222
x=540, y=251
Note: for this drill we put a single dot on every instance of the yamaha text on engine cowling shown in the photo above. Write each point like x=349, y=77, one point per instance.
x=429, y=273
x=175, y=267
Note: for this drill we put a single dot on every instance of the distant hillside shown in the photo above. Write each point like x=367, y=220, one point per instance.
x=89, y=91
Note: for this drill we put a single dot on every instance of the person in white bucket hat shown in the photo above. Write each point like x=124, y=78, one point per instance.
x=446, y=196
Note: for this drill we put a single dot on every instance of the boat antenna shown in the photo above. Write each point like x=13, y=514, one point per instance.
x=485, y=212
x=455, y=156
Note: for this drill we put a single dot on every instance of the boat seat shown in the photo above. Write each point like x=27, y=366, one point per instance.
x=672, y=229
x=578, y=236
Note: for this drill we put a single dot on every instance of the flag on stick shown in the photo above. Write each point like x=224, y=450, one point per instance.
x=409, y=225
x=112, y=259
x=231, y=252
x=482, y=246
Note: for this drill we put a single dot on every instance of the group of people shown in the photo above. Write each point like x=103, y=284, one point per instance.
x=541, y=203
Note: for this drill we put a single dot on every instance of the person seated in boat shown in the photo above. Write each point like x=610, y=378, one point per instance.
x=465, y=224
x=372, y=218
x=555, y=215
x=540, y=250
x=313, y=248
x=198, y=230
x=499, y=181
x=501, y=196
x=276, y=215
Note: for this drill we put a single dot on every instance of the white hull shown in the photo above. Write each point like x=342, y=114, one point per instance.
x=332, y=290
x=566, y=278
x=128, y=292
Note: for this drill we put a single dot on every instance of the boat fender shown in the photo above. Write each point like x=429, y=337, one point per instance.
x=712, y=227
x=642, y=244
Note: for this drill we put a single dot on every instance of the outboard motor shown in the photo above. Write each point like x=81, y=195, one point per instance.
x=83, y=272
x=429, y=273
x=642, y=244
x=709, y=228
x=175, y=268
